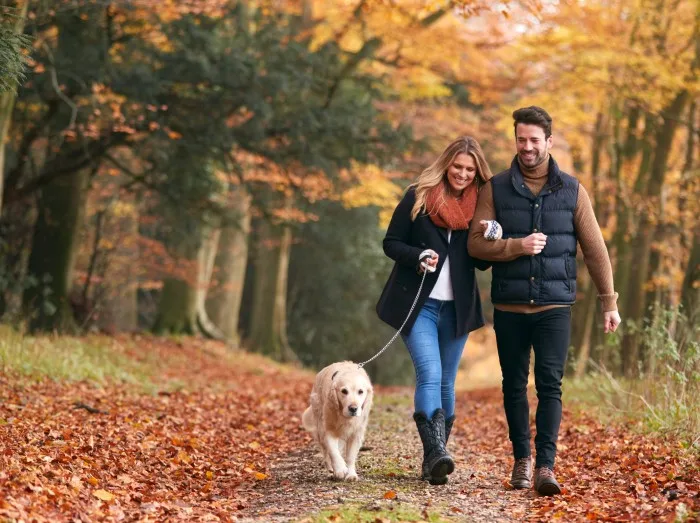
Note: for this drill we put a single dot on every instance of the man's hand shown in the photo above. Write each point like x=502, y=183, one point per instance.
x=534, y=243
x=611, y=321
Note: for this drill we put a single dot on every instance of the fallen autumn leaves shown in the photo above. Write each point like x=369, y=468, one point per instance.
x=77, y=451
x=191, y=453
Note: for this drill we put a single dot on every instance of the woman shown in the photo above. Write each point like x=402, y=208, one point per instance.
x=433, y=219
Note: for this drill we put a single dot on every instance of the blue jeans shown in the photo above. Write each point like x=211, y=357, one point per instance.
x=435, y=351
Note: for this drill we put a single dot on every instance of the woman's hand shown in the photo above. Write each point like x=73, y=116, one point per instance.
x=491, y=229
x=431, y=261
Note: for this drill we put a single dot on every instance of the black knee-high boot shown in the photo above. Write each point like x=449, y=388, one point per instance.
x=437, y=463
x=448, y=427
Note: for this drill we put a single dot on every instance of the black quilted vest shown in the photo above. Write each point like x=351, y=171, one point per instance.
x=549, y=277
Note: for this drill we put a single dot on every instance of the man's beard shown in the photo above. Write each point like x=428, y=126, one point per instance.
x=534, y=159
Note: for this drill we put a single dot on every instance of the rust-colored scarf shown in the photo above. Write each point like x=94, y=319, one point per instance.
x=447, y=211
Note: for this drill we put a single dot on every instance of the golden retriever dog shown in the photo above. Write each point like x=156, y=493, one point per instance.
x=337, y=417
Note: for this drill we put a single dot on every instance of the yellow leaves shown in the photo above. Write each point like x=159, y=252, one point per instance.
x=93, y=481
x=123, y=209
x=183, y=457
x=258, y=476
x=293, y=215
x=416, y=57
x=103, y=495
x=424, y=86
x=374, y=188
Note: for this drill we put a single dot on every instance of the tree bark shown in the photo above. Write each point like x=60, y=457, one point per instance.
x=54, y=247
x=626, y=226
x=641, y=249
x=268, y=325
x=690, y=239
x=177, y=309
x=584, y=312
x=690, y=294
x=120, y=289
x=207, y=254
x=224, y=302
x=590, y=309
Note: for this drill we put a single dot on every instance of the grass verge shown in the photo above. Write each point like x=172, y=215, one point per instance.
x=97, y=359
x=651, y=403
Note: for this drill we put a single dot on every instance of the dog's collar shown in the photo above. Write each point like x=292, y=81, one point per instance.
x=336, y=372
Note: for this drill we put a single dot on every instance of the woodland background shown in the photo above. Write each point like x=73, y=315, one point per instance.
x=228, y=168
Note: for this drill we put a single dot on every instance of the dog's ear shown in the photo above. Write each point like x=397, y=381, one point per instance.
x=368, y=398
x=333, y=395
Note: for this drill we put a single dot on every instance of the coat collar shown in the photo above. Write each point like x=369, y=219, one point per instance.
x=442, y=231
x=554, y=179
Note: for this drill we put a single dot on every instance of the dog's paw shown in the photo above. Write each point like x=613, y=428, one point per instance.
x=340, y=472
x=351, y=475
x=328, y=463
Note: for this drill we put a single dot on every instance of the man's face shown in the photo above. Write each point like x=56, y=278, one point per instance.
x=531, y=144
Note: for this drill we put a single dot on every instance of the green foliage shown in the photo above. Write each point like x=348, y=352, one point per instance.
x=13, y=61
x=664, y=397
x=336, y=274
x=267, y=92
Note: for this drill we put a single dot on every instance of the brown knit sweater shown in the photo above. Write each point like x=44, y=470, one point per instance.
x=595, y=253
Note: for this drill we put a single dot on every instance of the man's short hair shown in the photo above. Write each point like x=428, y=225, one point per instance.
x=533, y=115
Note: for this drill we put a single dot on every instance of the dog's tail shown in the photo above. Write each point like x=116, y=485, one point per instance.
x=308, y=420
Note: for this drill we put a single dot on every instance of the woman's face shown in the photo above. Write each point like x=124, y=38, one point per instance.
x=461, y=173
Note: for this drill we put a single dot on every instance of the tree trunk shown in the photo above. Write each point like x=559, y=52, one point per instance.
x=690, y=295
x=16, y=232
x=120, y=288
x=224, y=302
x=689, y=239
x=207, y=254
x=7, y=103
x=641, y=249
x=54, y=247
x=590, y=309
x=583, y=316
x=177, y=309
x=268, y=324
x=626, y=227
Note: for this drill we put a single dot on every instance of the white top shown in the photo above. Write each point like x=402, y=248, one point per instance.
x=443, y=285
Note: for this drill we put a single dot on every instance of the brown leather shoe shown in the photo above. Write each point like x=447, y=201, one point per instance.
x=522, y=473
x=545, y=482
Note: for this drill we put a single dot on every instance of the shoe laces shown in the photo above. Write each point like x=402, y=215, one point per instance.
x=521, y=465
x=545, y=472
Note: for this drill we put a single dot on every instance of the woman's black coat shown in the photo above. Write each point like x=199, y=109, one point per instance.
x=403, y=243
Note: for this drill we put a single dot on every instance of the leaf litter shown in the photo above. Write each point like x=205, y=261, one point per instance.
x=228, y=446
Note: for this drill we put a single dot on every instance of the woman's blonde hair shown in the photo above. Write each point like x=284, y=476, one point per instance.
x=437, y=172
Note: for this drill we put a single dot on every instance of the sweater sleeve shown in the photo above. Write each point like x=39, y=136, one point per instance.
x=490, y=250
x=595, y=253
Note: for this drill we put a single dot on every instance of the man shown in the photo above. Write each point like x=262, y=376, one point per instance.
x=544, y=212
